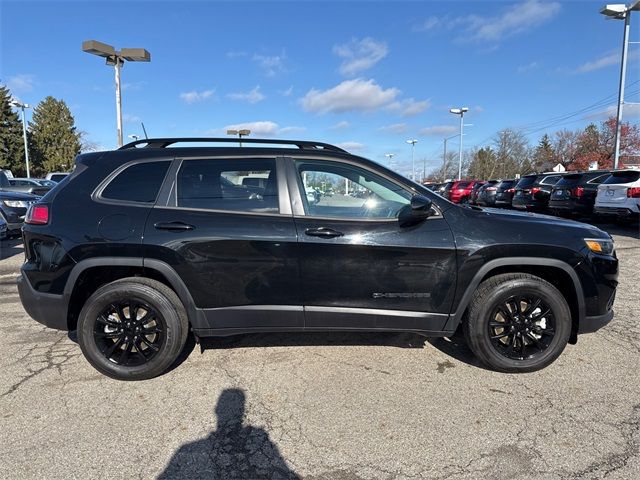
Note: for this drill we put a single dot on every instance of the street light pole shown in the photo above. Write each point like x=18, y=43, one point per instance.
x=444, y=157
x=390, y=156
x=621, y=12
x=22, y=106
x=116, y=59
x=240, y=133
x=117, y=68
x=460, y=111
x=413, y=142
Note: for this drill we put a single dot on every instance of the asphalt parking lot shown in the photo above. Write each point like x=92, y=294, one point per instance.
x=322, y=406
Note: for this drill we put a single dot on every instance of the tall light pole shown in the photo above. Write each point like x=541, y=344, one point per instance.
x=413, y=142
x=116, y=58
x=241, y=133
x=390, y=156
x=460, y=111
x=621, y=12
x=22, y=106
x=444, y=157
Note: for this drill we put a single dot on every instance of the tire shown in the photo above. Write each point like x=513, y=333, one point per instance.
x=128, y=346
x=530, y=339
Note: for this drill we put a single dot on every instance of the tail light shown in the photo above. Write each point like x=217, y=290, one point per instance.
x=535, y=190
x=511, y=190
x=577, y=192
x=37, y=215
x=491, y=189
x=633, y=192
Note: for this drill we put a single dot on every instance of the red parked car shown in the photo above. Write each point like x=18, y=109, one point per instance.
x=461, y=190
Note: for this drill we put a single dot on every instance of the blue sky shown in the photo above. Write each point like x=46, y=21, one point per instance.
x=365, y=75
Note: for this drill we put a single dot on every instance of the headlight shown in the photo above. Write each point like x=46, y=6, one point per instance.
x=16, y=203
x=599, y=245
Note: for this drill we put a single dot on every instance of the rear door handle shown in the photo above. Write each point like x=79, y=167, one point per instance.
x=173, y=226
x=323, y=232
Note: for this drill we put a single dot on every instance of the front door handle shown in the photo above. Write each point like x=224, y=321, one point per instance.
x=323, y=232
x=173, y=226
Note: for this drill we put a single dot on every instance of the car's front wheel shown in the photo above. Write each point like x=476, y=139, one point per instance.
x=517, y=322
x=132, y=329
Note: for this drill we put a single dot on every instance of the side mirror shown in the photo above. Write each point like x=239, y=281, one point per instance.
x=416, y=212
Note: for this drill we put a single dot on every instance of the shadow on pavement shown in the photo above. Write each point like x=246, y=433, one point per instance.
x=232, y=451
x=314, y=339
x=11, y=247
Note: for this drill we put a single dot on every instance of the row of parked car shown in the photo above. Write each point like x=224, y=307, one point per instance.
x=17, y=194
x=614, y=194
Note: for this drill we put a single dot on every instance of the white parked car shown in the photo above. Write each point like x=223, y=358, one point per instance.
x=619, y=195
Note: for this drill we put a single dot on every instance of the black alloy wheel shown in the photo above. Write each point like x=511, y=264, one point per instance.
x=129, y=332
x=522, y=327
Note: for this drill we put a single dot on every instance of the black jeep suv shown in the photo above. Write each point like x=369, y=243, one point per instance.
x=140, y=246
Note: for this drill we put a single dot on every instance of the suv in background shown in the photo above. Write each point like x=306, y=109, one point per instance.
x=619, y=195
x=575, y=193
x=56, y=176
x=504, y=193
x=532, y=192
x=460, y=191
x=160, y=245
x=485, y=194
x=15, y=185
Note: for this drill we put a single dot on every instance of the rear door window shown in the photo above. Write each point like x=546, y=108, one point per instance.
x=239, y=185
x=622, y=177
x=139, y=182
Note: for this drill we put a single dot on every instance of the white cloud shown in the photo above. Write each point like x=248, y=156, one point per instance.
x=291, y=130
x=529, y=67
x=195, y=96
x=607, y=60
x=351, y=95
x=288, y=92
x=271, y=64
x=128, y=118
x=438, y=130
x=360, y=55
x=133, y=86
x=630, y=111
x=252, y=96
x=394, y=128
x=235, y=54
x=20, y=83
x=409, y=107
x=264, y=127
x=340, y=125
x=518, y=18
x=352, y=146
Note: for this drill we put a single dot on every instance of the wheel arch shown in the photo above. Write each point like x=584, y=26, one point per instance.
x=88, y=275
x=558, y=273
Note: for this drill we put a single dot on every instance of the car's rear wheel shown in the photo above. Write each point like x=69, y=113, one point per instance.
x=517, y=322
x=132, y=329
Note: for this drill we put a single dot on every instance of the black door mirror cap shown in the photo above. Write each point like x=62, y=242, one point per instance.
x=417, y=211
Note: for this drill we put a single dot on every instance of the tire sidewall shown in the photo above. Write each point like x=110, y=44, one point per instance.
x=114, y=293
x=554, y=300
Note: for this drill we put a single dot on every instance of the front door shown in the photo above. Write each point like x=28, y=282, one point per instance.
x=227, y=230
x=359, y=267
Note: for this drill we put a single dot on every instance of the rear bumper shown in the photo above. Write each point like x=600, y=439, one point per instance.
x=615, y=211
x=570, y=206
x=593, y=324
x=45, y=308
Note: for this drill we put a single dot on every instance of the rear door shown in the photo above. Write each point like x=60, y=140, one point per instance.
x=233, y=245
x=359, y=268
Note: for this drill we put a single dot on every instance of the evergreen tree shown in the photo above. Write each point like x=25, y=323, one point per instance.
x=11, y=140
x=55, y=140
x=484, y=165
x=544, y=155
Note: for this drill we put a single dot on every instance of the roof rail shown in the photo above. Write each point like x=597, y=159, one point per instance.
x=165, y=142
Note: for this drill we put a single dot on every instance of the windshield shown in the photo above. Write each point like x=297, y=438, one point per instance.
x=526, y=181
x=622, y=177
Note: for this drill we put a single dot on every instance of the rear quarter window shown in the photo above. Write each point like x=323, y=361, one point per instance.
x=622, y=177
x=140, y=182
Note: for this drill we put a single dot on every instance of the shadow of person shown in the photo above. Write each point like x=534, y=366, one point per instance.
x=232, y=451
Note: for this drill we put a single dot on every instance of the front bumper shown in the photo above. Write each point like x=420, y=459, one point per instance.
x=45, y=308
